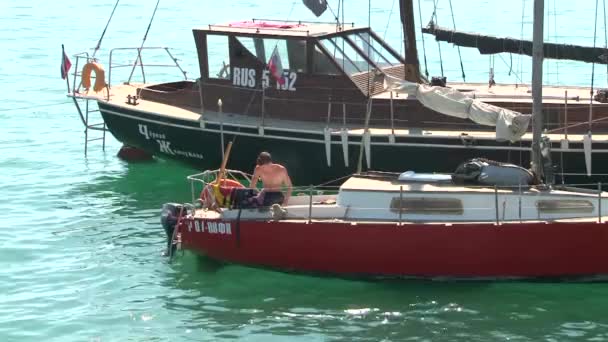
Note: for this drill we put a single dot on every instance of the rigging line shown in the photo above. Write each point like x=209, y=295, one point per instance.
x=150, y=23
x=438, y=43
x=464, y=77
x=434, y=14
x=605, y=41
x=293, y=4
x=517, y=77
x=521, y=38
x=390, y=14
x=343, y=10
x=336, y=16
x=369, y=24
x=142, y=45
x=426, y=69
x=556, y=39
x=546, y=37
x=104, y=30
x=593, y=64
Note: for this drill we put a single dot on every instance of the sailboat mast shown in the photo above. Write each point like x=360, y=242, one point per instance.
x=537, y=86
x=412, y=66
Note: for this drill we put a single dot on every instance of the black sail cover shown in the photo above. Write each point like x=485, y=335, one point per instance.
x=491, y=45
x=316, y=6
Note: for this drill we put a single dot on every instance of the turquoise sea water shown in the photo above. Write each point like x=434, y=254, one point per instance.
x=80, y=240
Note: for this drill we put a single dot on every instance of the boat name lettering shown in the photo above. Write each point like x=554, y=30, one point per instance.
x=246, y=77
x=143, y=130
x=289, y=78
x=164, y=145
x=210, y=227
x=243, y=77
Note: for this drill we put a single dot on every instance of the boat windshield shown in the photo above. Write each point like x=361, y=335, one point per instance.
x=292, y=52
x=373, y=49
x=359, y=52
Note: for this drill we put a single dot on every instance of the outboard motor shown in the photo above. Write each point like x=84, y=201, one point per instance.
x=168, y=219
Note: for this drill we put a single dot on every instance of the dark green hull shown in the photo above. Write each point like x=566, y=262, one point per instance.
x=304, y=154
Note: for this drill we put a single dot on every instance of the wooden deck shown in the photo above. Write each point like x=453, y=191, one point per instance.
x=118, y=96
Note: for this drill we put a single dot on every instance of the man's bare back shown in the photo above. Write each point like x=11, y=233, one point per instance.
x=273, y=177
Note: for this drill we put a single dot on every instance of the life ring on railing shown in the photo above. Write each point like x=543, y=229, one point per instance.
x=100, y=78
x=218, y=195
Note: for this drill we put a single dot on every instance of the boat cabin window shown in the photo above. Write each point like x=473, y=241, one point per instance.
x=349, y=59
x=564, y=206
x=218, y=56
x=281, y=45
x=322, y=65
x=249, y=44
x=372, y=48
x=292, y=52
x=427, y=206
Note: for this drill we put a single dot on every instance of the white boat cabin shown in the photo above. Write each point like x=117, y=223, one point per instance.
x=427, y=198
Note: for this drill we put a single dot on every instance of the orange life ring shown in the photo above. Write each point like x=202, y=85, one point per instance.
x=214, y=194
x=100, y=80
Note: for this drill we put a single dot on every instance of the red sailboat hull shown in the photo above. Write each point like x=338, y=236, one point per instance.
x=512, y=250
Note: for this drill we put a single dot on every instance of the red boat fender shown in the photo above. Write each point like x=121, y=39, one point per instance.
x=220, y=192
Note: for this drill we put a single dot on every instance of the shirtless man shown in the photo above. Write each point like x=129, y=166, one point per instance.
x=273, y=177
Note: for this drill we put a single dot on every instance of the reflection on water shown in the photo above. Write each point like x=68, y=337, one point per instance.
x=140, y=185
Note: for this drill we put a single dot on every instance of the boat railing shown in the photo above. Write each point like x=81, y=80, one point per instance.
x=351, y=24
x=344, y=113
x=543, y=209
x=200, y=180
x=139, y=62
x=253, y=28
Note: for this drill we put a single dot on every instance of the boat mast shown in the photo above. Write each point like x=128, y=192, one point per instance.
x=412, y=66
x=537, y=87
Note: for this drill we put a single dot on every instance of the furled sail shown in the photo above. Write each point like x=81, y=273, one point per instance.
x=491, y=45
x=316, y=6
x=510, y=125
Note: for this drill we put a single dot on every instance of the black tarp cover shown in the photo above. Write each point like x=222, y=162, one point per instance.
x=491, y=45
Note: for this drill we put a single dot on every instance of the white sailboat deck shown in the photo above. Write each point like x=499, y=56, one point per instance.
x=362, y=199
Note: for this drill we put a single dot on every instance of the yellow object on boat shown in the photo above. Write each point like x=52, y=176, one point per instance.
x=100, y=81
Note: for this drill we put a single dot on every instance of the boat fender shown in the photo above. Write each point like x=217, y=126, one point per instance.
x=100, y=81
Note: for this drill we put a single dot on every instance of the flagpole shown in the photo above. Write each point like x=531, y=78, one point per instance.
x=67, y=78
